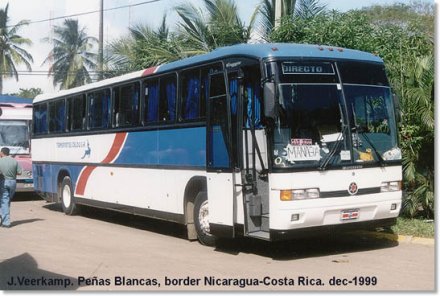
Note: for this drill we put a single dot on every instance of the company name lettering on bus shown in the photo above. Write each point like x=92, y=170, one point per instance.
x=233, y=65
x=302, y=153
x=296, y=68
x=300, y=142
x=77, y=144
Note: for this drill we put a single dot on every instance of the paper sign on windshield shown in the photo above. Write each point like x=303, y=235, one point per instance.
x=302, y=153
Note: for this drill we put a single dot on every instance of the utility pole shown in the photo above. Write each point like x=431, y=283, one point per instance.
x=101, y=42
x=278, y=9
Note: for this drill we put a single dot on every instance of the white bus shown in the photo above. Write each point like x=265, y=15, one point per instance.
x=15, y=125
x=265, y=140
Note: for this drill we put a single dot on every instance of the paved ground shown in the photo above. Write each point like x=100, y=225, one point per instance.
x=102, y=250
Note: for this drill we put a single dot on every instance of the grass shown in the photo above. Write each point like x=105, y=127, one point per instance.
x=414, y=227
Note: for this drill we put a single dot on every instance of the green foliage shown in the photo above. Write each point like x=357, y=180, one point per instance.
x=199, y=30
x=71, y=58
x=414, y=227
x=30, y=93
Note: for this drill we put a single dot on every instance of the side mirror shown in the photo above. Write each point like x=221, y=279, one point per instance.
x=270, y=104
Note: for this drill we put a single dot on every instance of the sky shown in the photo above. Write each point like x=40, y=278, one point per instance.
x=116, y=24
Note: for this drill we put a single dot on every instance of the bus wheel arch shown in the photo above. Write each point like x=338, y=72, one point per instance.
x=66, y=195
x=195, y=185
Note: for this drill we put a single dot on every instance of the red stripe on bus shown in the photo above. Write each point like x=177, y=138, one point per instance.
x=149, y=71
x=82, y=182
x=118, y=142
x=116, y=147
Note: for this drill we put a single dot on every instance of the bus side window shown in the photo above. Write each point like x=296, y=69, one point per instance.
x=252, y=97
x=191, y=95
x=99, y=109
x=57, y=116
x=126, y=109
x=40, y=119
x=150, y=101
x=77, y=113
x=167, y=103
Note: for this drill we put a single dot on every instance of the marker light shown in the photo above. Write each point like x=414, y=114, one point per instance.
x=286, y=195
x=391, y=186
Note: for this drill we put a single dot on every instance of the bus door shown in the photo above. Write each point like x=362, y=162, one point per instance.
x=220, y=174
x=249, y=146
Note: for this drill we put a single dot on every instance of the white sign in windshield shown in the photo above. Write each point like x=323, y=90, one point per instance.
x=302, y=153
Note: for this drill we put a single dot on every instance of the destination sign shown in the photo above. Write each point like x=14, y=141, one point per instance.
x=307, y=68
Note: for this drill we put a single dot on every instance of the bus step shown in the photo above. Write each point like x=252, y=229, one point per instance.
x=260, y=234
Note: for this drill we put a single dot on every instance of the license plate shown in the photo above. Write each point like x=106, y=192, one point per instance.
x=350, y=214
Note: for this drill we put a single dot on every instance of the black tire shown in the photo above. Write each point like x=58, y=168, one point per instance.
x=67, y=199
x=201, y=220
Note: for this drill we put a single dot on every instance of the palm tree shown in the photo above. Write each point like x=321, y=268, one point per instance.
x=11, y=52
x=144, y=47
x=71, y=58
x=290, y=9
x=217, y=25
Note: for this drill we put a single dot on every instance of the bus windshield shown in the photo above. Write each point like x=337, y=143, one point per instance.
x=309, y=120
x=14, y=134
x=372, y=122
x=328, y=123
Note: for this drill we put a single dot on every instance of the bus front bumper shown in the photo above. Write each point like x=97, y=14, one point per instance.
x=334, y=230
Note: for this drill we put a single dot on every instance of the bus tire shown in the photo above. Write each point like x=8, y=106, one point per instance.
x=201, y=220
x=67, y=198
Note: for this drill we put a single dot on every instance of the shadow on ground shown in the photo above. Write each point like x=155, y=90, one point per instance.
x=25, y=196
x=22, y=273
x=331, y=243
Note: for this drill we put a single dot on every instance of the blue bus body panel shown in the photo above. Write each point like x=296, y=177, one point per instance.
x=50, y=185
x=185, y=147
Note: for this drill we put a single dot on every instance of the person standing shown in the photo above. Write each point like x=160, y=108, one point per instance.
x=9, y=168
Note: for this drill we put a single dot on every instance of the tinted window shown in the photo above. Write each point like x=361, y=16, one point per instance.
x=167, y=102
x=57, y=116
x=194, y=92
x=99, y=109
x=363, y=73
x=126, y=109
x=218, y=87
x=77, y=113
x=191, y=87
x=151, y=101
x=40, y=119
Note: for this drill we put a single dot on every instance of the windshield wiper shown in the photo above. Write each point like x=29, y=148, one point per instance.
x=379, y=157
x=335, y=148
x=364, y=134
x=339, y=140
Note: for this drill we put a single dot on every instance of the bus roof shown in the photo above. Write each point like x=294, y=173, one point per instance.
x=259, y=51
x=274, y=50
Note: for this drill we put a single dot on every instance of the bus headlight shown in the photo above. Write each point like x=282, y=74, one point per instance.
x=391, y=186
x=299, y=194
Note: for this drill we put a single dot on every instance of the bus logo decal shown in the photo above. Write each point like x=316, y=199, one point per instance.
x=87, y=151
x=353, y=188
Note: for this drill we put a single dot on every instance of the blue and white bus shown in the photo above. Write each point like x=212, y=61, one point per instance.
x=263, y=140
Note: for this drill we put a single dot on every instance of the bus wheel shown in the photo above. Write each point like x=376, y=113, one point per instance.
x=201, y=220
x=67, y=199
